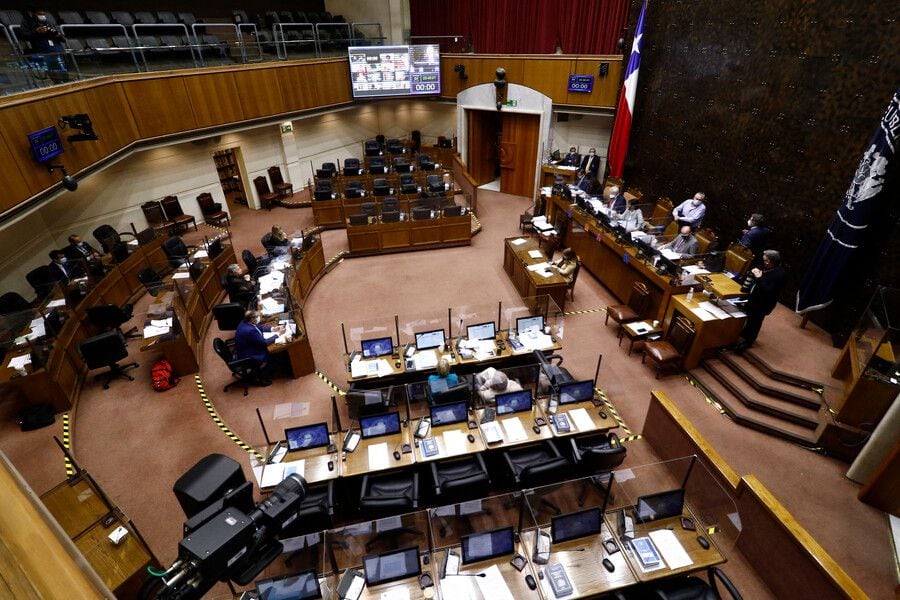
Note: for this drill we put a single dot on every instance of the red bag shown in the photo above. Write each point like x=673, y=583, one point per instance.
x=163, y=378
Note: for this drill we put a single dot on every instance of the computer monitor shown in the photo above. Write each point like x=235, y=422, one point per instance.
x=645, y=246
x=661, y=505
x=513, y=402
x=481, y=331
x=486, y=545
x=461, y=392
x=532, y=323
x=307, y=436
x=302, y=586
x=576, y=391
x=574, y=525
x=376, y=347
x=391, y=566
x=447, y=414
x=426, y=340
x=383, y=424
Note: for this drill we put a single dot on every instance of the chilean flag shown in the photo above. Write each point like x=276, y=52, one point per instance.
x=618, y=145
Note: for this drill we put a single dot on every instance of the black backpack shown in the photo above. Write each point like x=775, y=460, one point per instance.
x=36, y=416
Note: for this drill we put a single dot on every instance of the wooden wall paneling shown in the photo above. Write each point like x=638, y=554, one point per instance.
x=606, y=89
x=487, y=67
x=548, y=76
x=160, y=106
x=259, y=92
x=332, y=83
x=518, y=152
x=111, y=114
x=214, y=98
x=77, y=155
x=16, y=122
x=298, y=91
x=482, y=155
x=15, y=185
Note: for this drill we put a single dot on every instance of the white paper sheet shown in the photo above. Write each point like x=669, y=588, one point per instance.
x=272, y=475
x=714, y=310
x=458, y=588
x=704, y=316
x=378, y=456
x=514, y=430
x=359, y=368
x=396, y=593
x=535, y=253
x=201, y=254
x=492, y=432
x=541, y=266
x=670, y=548
x=56, y=303
x=19, y=362
x=492, y=585
x=181, y=275
x=454, y=442
x=295, y=466
x=581, y=419
x=151, y=331
x=518, y=241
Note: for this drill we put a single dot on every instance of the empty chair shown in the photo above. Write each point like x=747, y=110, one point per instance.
x=42, y=280
x=196, y=270
x=408, y=184
x=122, y=17
x=377, y=166
x=212, y=210
x=245, y=370
x=421, y=213
x=393, y=493
x=266, y=196
x=174, y=213
x=96, y=17
x=456, y=211
x=151, y=280
x=330, y=168
x=638, y=302
x=352, y=167
x=535, y=465
x=359, y=219
x=12, y=302
x=282, y=188
x=254, y=266
x=354, y=189
x=380, y=187
x=69, y=17
x=402, y=165
x=390, y=216
x=106, y=317
x=323, y=190
x=228, y=315
x=145, y=236
x=425, y=163
x=390, y=203
x=670, y=352
x=691, y=587
x=176, y=250
x=372, y=148
x=459, y=479
x=706, y=240
x=394, y=146
x=156, y=216
x=738, y=259
x=106, y=350
x=144, y=17
x=167, y=17
x=369, y=209
x=595, y=456
x=434, y=183
x=556, y=374
x=109, y=238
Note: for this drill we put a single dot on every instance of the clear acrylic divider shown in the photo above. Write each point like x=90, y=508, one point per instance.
x=544, y=306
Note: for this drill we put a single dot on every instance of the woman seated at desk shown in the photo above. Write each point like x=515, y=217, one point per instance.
x=632, y=218
x=566, y=265
x=443, y=372
x=491, y=382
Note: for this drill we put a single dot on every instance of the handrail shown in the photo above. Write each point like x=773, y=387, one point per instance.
x=281, y=43
x=20, y=56
x=255, y=34
x=354, y=25
x=332, y=25
x=72, y=26
x=232, y=26
x=187, y=37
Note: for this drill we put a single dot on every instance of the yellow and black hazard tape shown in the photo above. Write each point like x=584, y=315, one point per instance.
x=631, y=438
x=712, y=530
x=476, y=224
x=336, y=258
x=585, y=311
x=610, y=409
x=709, y=400
x=331, y=384
x=70, y=470
x=220, y=423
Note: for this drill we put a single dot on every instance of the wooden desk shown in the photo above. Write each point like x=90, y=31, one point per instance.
x=122, y=567
x=528, y=283
x=75, y=506
x=710, y=334
x=527, y=419
x=357, y=462
x=599, y=423
x=629, y=330
x=549, y=173
x=315, y=466
x=702, y=558
x=515, y=580
x=384, y=238
x=403, y=588
x=722, y=285
x=581, y=559
x=444, y=451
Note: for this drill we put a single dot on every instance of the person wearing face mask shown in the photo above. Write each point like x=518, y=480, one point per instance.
x=59, y=269
x=252, y=341
x=616, y=200
x=755, y=235
x=47, y=46
x=590, y=164
x=572, y=159
x=764, y=292
x=691, y=211
x=632, y=218
x=684, y=243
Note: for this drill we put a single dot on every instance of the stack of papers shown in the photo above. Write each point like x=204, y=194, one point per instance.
x=271, y=282
x=270, y=306
x=37, y=329
x=492, y=585
x=454, y=442
x=181, y=275
x=492, y=433
x=581, y=419
x=425, y=360
x=670, y=548
x=19, y=362
x=514, y=430
x=518, y=241
x=670, y=254
x=157, y=327
x=541, y=224
x=535, y=253
x=534, y=340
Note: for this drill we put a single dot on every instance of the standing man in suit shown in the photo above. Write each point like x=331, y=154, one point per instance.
x=616, y=200
x=590, y=164
x=764, y=293
x=755, y=236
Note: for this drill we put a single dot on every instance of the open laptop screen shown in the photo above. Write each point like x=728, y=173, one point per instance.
x=661, y=505
x=482, y=546
x=383, y=424
x=302, y=586
x=524, y=324
x=427, y=340
x=377, y=347
x=447, y=414
x=576, y=524
x=307, y=436
x=577, y=391
x=482, y=331
x=513, y=402
x=391, y=566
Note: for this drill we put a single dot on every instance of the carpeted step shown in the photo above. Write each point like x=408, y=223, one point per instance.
x=759, y=421
x=753, y=400
x=759, y=380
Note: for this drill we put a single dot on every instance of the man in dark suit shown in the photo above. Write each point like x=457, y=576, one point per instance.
x=80, y=253
x=251, y=340
x=754, y=237
x=764, y=294
x=616, y=200
x=60, y=270
x=590, y=164
x=572, y=159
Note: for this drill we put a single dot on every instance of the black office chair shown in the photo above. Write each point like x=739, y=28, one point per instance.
x=41, y=279
x=151, y=280
x=425, y=163
x=323, y=190
x=408, y=184
x=453, y=211
x=108, y=237
x=359, y=219
x=228, y=316
x=402, y=165
x=421, y=213
x=369, y=209
x=330, y=168
x=389, y=494
x=377, y=166
x=315, y=514
x=380, y=187
x=176, y=250
x=247, y=370
x=13, y=302
x=595, y=456
x=256, y=266
x=390, y=203
x=556, y=373
x=106, y=350
x=536, y=465
x=394, y=146
x=372, y=148
x=459, y=479
x=434, y=183
x=354, y=189
x=390, y=216
x=693, y=588
x=352, y=167
x=106, y=317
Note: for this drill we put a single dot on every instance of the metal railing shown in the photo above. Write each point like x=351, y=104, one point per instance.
x=355, y=28
x=82, y=27
x=281, y=42
x=190, y=43
x=323, y=27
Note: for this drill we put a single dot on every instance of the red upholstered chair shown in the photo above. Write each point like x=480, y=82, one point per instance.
x=212, y=210
x=156, y=217
x=283, y=189
x=634, y=310
x=176, y=215
x=670, y=352
x=266, y=196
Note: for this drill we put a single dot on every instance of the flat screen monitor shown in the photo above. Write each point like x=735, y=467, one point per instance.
x=574, y=525
x=395, y=70
x=486, y=545
x=302, y=586
x=513, y=402
x=383, y=424
x=482, y=331
x=533, y=323
x=448, y=414
x=391, y=566
x=645, y=246
x=661, y=505
x=377, y=347
x=426, y=340
x=45, y=144
x=577, y=391
x=307, y=436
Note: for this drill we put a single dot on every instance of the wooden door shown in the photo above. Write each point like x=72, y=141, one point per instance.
x=483, y=153
x=518, y=153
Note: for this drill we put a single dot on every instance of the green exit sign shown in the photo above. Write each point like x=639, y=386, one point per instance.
x=512, y=103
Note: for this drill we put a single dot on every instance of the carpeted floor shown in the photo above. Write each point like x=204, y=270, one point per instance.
x=136, y=443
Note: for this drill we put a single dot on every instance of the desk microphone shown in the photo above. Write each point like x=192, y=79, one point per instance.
x=467, y=575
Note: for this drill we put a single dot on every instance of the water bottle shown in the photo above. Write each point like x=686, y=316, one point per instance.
x=690, y=295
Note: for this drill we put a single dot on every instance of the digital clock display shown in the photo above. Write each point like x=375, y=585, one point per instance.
x=45, y=144
x=581, y=83
x=395, y=70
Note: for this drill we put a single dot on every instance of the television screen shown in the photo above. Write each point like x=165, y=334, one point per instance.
x=482, y=546
x=395, y=70
x=577, y=391
x=661, y=505
x=307, y=436
x=426, y=340
x=302, y=586
x=383, y=424
x=513, y=402
x=377, y=347
x=391, y=566
x=482, y=331
x=524, y=324
x=448, y=414
x=45, y=144
x=574, y=525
